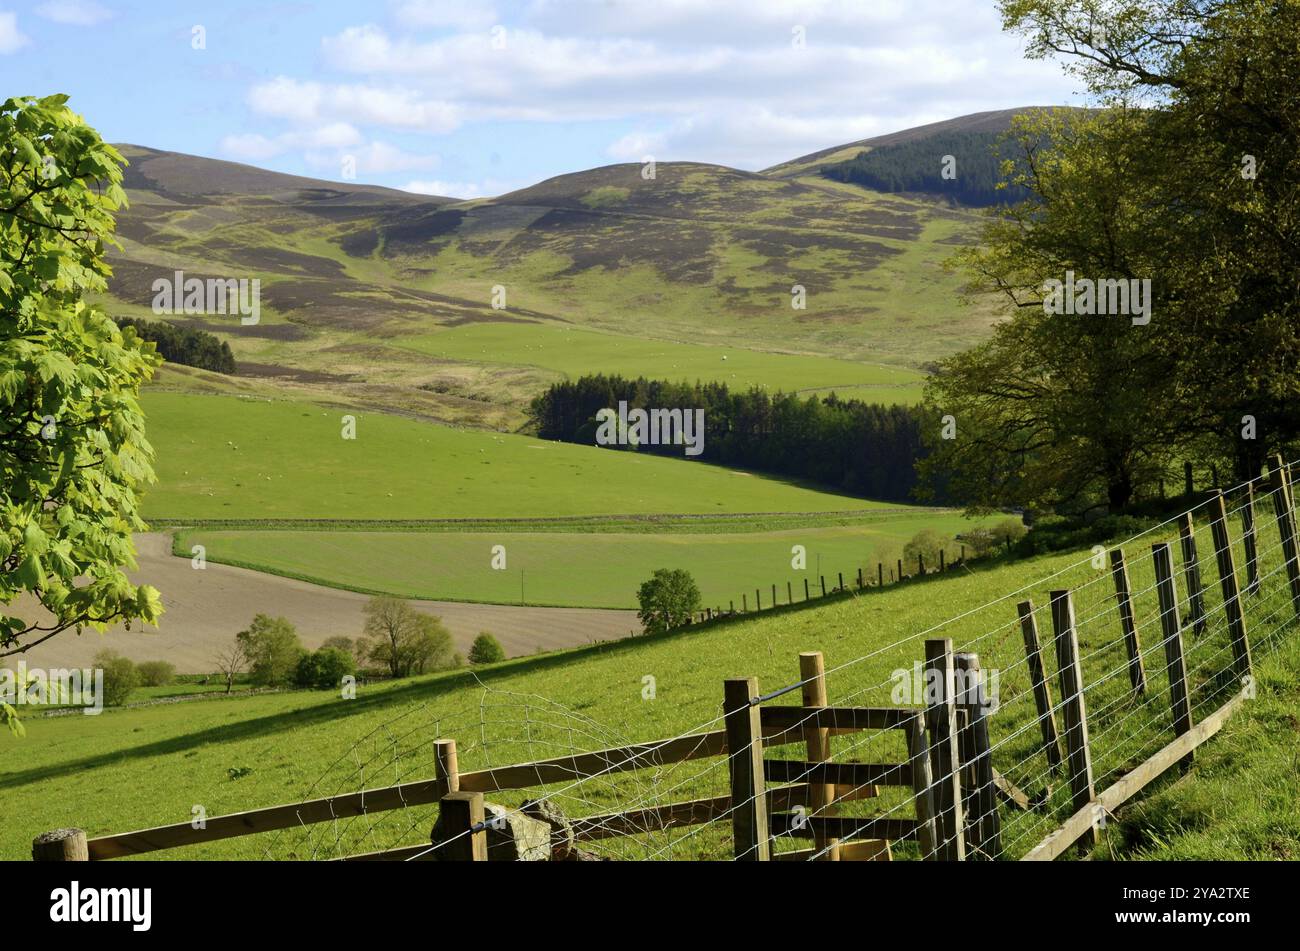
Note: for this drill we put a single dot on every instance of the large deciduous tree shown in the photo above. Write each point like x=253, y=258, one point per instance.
x=1190, y=177
x=73, y=453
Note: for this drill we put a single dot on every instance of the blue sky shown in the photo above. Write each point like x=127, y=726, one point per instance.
x=479, y=97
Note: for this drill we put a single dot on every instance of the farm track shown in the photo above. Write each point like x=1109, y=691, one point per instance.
x=205, y=609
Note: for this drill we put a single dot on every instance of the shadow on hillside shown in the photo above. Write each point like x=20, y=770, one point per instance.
x=420, y=691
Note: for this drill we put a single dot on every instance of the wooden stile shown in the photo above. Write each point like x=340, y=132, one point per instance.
x=945, y=760
x=1042, y=690
x=1078, y=755
x=1171, y=630
x=918, y=757
x=1137, y=674
x=745, y=761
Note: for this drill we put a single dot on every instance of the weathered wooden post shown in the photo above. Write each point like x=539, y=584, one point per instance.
x=446, y=768
x=918, y=757
x=1078, y=755
x=1042, y=691
x=758, y=600
x=744, y=603
x=941, y=726
x=900, y=569
x=983, y=824
x=744, y=730
x=465, y=832
x=1248, y=539
x=823, y=580
x=1228, y=585
x=861, y=584
x=1171, y=629
x=805, y=589
x=812, y=672
x=1285, y=513
x=942, y=566
x=61, y=845
x=1137, y=674
x=920, y=564
x=1192, y=573
x=773, y=595
x=880, y=574
x=789, y=593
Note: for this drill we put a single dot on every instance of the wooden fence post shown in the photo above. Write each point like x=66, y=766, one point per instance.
x=941, y=725
x=789, y=593
x=1137, y=673
x=918, y=756
x=983, y=825
x=1228, y=584
x=941, y=563
x=773, y=595
x=445, y=765
x=745, y=762
x=823, y=580
x=1078, y=756
x=744, y=603
x=920, y=564
x=880, y=574
x=461, y=814
x=1248, y=539
x=1171, y=629
x=812, y=671
x=900, y=569
x=1192, y=574
x=805, y=589
x=61, y=845
x=1286, y=526
x=861, y=584
x=840, y=574
x=1042, y=691
x=758, y=600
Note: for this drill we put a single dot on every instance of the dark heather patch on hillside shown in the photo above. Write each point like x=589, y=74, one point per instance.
x=132, y=281
x=495, y=317
x=273, y=370
x=418, y=233
x=678, y=250
x=360, y=244
x=259, y=331
x=277, y=259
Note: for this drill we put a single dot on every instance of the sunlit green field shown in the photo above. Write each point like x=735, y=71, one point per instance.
x=232, y=457
x=575, y=352
x=136, y=768
x=600, y=569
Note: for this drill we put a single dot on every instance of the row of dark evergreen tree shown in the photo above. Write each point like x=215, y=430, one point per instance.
x=918, y=166
x=864, y=449
x=185, y=345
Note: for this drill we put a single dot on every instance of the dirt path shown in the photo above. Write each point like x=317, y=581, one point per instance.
x=206, y=608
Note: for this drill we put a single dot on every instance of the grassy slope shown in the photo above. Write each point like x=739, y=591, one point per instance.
x=702, y=257
x=600, y=569
x=91, y=771
x=224, y=457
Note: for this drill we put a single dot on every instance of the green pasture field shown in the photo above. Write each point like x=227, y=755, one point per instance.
x=247, y=458
x=575, y=352
x=148, y=766
x=579, y=569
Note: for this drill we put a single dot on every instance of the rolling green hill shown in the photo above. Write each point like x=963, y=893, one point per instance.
x=377, y=297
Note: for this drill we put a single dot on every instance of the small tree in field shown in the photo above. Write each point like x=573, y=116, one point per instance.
x=925, y=543
x=486, y=649
x=272, y=648
x=231, y=662
x=73, y=452
x=403, y=639
x=667, y=600
x=120, y=677
x=155, y=673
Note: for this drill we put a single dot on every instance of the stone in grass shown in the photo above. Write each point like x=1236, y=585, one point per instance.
x=511, y=836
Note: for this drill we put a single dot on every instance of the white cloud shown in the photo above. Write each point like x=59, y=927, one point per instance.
x=465, y=190
x=718, y=82
x=74, y=12
x=254, y=146
x=374, y=158
x=11, y=38
x=423, y=14
x=300, y=101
